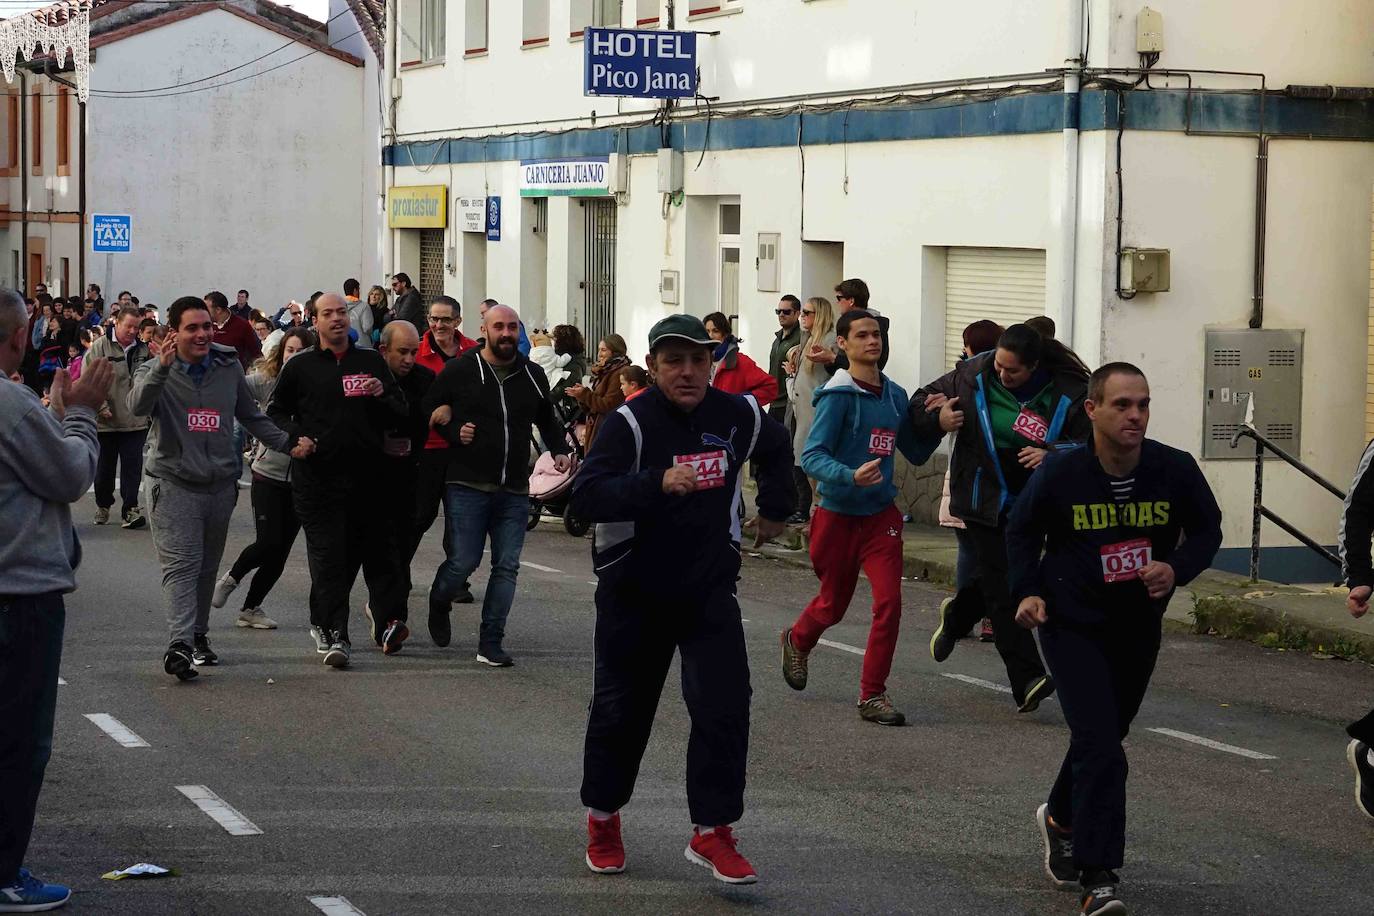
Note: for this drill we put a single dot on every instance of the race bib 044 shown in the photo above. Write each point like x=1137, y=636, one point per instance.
x=710, y=468
x=1124, y=561
x=202, y=420
x=355, y=386
x=1031, y=425
x=880, y=442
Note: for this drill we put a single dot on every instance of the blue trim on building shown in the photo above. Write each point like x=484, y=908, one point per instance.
x=1207, y=111
x=1279, y=564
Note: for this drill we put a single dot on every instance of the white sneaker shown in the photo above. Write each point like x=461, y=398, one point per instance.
x=223, y=589
x=255, y=618
x=102, y=515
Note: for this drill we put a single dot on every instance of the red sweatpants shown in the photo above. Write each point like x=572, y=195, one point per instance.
x=841, y=545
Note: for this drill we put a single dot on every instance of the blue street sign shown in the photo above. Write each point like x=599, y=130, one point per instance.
x=639, y=63
x=493, y=218
x=111, y=233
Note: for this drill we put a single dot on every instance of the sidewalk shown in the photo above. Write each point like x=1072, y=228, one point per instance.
x=1283, y=617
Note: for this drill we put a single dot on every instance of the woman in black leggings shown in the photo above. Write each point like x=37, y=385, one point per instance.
x=274, y=516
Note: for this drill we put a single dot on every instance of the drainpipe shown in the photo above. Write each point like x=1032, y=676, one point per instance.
x=23, y=278
x=389, y=134
x=1068, y=213
x=1261, y=217
x=81, y=217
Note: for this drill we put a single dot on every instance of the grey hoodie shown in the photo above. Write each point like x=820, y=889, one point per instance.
x=269, y=463
x=191, y=441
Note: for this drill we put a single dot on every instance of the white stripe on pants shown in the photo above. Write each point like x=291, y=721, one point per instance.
x=189, y=531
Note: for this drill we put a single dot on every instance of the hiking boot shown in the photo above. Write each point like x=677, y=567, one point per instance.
x=1058, y=851
x=716, y=851
x=254, y=618
x=134, y=518
x=1039, y=690
x=177, y=662
x=1357, y=752
x=323, y=639
x=1099, y=895
x=605, y=849
x=202, y=654
x=793, y=662
x=880, y=709
x=29, y=895
x=440, y=629
x=223, y=589
x=102, y=515
x=985, y=633
x=943, y=640
x=339, y=651
x=495, y=656
x=395, y=633
x=374, y=624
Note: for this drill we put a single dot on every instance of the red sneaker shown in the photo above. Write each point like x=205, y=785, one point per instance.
x=395, y=633
x=605, y=850
x=716, y=851
x=985, y=633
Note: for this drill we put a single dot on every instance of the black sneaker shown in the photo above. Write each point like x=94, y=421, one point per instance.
x=1058, y=851
x=323, y=639
x=1039, y=690
x=1099, y=895
x=378, y=631
x=339, y=651
x=943, y=640
x=177, y=662
x=440, y=629
x=495, y=656
x=395, y=633
x=1357, y=752
x=202, y=654
x=464, y=596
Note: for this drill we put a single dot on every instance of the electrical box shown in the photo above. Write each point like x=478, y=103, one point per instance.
x=1149, y=31
x=1145, y=270
x=670, y=170
x=667, y=287
x=766, y=261
x=618, y=173
x=1253, y=374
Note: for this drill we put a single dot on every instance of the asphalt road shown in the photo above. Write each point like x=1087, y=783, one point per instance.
x=426, y=783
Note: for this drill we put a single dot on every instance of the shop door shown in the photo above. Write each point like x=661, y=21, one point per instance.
x=598, y=285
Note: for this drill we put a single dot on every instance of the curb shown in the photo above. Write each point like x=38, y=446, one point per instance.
x=1273, y=628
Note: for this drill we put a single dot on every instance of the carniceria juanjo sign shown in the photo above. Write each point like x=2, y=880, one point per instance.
x=564, y=177
x=639, y=63
x=417, y=207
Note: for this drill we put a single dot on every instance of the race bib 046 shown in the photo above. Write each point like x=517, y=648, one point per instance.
x=202, y=420
x=1123, y=562
x=355, y=386
x=710, y=468
x=1031, y=425
x=880, y=442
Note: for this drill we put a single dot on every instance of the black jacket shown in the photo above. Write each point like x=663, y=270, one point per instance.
x=503, y=413
x=409, y=307
x=978, y=489
x=405, y=436
x=310, y=400
x=1068, y=509
x=1357, y=524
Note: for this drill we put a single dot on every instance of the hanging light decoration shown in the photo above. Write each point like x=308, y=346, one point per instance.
x=56, y=31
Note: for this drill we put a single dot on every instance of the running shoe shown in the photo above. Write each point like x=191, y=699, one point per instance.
x=495, y=656
x=716, y=851
x=880, y=709
x=177, y=662
x=942, y=642
x=29, y=895
x=337, y=656
x=1357, y=752
x=323, y=639
x=464, y=596
x=374, y=624
x=605, y=849
x=1039, y=690
x=1058, y=851
x=793, y=662
x=1099, y=895
x=440, y=629
x=102, y=515
x=395, y=633
x=134, y=518
x=202, y=655
x=223, y=589
x=985, y=634
x=255, y=618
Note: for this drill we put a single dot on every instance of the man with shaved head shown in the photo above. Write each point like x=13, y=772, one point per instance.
x=495, y=394
x=344, y=398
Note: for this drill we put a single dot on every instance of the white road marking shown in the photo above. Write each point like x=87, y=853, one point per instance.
x=61, y=683
x=1214, y=745
x=977, y=682
x=336, y=906
x=220, y=811
x=547, y=569
x=842, y=647
x=116, y=729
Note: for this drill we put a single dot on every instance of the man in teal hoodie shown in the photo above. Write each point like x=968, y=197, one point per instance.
x=861, y=419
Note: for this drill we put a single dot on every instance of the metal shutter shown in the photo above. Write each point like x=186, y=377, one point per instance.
x=1006, y=285
x=431, y=264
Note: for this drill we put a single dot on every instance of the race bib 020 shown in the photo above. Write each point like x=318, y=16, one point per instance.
x=710, y=468
x=1031, y=425
x=1123, y=562
x=880, y=442
x=202, y=420
x=355, y=386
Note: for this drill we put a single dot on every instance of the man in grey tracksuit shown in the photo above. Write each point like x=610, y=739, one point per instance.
x=194, y=390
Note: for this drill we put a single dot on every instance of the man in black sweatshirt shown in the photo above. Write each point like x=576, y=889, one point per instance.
x=1109, y=516
x=1357, y=530
x=343, y=398
x=495, y=396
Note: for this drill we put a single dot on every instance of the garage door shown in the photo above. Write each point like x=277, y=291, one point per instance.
x=1006, y=285
x=431, y=264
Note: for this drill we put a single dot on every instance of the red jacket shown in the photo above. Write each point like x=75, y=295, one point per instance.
x=433, y=359
x=738, y=374
x=239, y=334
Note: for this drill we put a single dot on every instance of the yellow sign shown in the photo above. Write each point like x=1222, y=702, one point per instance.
x=419, y=207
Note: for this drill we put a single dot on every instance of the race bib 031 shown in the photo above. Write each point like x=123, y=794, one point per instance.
x=1031, y=425
x=355, y=386
x=202, y=420
x=1123, y=562
x=880, y=442
x=710, y=468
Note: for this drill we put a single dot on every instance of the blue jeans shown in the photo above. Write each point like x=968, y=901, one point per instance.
x=472, y=516
x=30, y=655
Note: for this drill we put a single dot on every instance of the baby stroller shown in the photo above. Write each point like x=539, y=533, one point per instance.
x=551, y=488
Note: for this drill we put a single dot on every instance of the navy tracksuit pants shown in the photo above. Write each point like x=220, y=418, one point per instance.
x=1101, y=673
x=637, y=631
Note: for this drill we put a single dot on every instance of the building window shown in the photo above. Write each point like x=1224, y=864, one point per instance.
x=646, y=14
x=422, y=38
x=714, y=7
x=64, y=125
x=475, y=32
x=535, y=23
x=12, y=103
x=597, y=14
x=36, y=131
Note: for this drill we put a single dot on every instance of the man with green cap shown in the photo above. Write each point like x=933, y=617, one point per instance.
x=662, y=482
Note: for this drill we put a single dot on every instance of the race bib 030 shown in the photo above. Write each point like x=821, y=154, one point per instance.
x=1031, y=425
x=880, y=442
x=710, y=468
x=202, y=420
x=355, y=386
x=1124, y=561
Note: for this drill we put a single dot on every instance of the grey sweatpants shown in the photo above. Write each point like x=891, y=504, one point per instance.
x=189, y=530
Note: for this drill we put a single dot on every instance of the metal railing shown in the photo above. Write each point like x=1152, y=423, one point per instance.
x=1261, y=512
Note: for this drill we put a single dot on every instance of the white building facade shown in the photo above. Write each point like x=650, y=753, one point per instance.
x=962, y=159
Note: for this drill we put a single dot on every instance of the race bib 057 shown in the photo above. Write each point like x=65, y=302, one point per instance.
x=202, y=420
x=710, y=468
x=1124, y=561
x=355, y=386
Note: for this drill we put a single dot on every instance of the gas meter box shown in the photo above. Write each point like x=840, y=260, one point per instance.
x=1252, y=369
